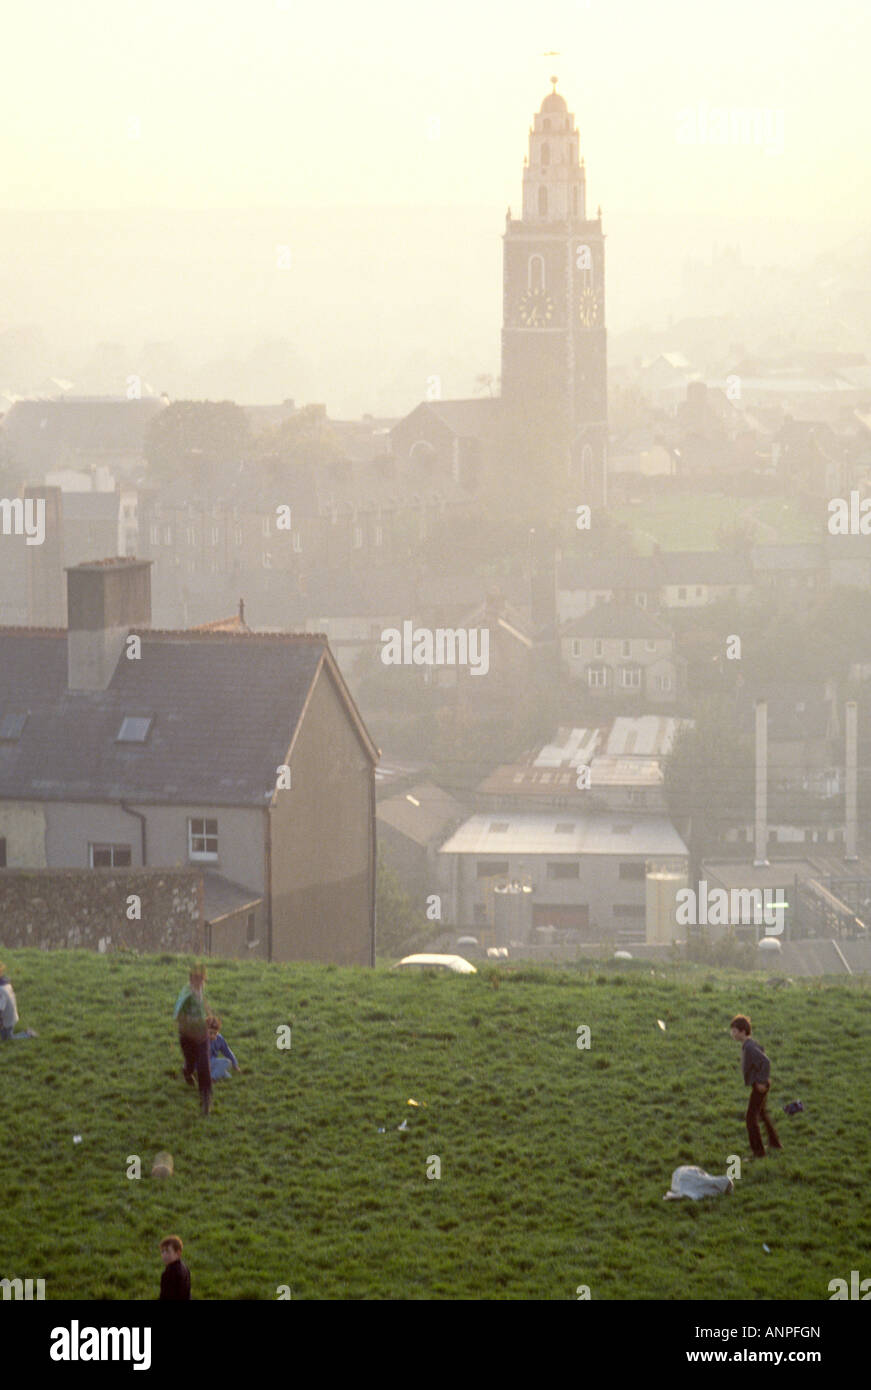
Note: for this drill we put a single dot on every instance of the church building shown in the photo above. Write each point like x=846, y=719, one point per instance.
x=554, y=374
x=548, y=430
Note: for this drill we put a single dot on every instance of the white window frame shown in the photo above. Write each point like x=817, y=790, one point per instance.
x=154, y=534
x=625, y=646
x=630, y=678
x=598, y=646
x=576, y=647
x=204, y=855
x=358, y=537
x=103, y=845
x=597, y=677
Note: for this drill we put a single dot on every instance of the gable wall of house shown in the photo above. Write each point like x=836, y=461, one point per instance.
x=322, y=841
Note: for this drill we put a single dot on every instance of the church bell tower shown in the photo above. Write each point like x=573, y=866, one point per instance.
x=554, y=373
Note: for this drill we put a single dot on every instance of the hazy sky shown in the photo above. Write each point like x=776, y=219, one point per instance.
x=273, y=102
x=181, y=104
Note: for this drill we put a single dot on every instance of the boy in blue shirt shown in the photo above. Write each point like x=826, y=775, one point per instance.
x=220, y=1055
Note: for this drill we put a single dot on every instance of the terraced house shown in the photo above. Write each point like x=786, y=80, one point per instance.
x=237, y=752
x=618, y=650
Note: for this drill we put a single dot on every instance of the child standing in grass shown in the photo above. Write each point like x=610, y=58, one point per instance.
x=220, y=1054
x=190, y=1011
x=175, y=1281
x=757, y=1070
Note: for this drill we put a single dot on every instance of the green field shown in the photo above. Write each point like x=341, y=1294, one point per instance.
x=554, y=1161
x=691, y=521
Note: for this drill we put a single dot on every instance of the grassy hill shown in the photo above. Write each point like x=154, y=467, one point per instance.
x=669, y=520
x=554, y=1160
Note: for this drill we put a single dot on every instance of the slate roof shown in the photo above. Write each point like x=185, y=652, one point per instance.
x=616, y=620
x=787, y=557
x=89, y=422
x=616, y=571
x=224, y=707
x=473, y=418
x=703, y=567
x=425, y=822
x=221, y=896
x=649, y=572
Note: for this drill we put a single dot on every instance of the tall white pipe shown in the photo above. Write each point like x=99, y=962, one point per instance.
x=851, y=786
x=761, y=784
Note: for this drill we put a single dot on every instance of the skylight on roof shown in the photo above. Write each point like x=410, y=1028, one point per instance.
x=12, y=727
x=134, y=729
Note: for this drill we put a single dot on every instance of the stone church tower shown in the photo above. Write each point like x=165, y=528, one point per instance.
x=554, y=373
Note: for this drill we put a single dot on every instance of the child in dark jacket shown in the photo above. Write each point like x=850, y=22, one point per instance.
x=175, y=1281
x=757, y=1071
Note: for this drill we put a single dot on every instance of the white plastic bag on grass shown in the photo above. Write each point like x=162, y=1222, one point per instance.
x=692, y=1181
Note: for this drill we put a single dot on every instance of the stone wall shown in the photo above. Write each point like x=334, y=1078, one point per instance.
x=90, y=908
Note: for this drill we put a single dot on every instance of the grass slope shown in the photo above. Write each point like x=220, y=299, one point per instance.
x=554, y=1160
x=670, y=520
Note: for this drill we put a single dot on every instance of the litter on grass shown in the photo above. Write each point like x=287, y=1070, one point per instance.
x=661, y=1024
x=418, y=1103
x=77, y=1139
x=382, y=1130
x=404, y=1125
x=692, y=1181
x=766, y=1249
x=793, y=1107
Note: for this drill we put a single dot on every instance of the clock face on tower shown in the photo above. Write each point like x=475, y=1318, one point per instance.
x=588, y=307
x=535, y=309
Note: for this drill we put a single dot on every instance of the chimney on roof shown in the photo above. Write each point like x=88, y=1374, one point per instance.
x=241, y=610
x=106, y=599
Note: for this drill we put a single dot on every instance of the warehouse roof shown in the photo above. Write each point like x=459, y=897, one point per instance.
x=537, y=832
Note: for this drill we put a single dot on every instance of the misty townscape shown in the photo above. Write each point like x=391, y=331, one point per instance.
x=435, y=662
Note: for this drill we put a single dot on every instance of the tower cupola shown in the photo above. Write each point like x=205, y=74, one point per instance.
x=554, y=182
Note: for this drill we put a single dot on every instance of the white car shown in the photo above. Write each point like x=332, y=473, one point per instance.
x=769, y=945
x=456, y=964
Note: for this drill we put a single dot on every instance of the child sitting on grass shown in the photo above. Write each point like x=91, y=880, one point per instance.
x=9, y=1011
x=220, y=1055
